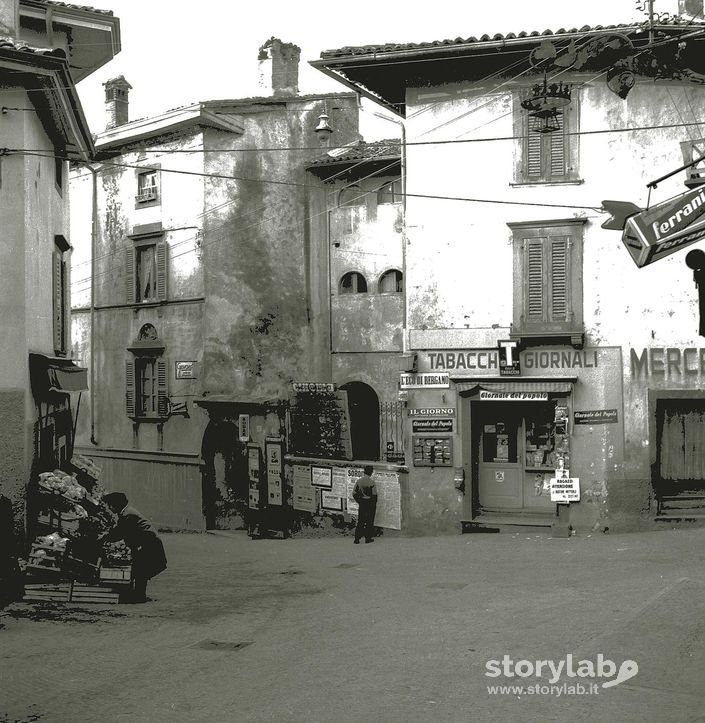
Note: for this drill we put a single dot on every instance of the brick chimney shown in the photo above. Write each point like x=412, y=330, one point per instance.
x=117, y=92
x=278, y=68
x=10, y=18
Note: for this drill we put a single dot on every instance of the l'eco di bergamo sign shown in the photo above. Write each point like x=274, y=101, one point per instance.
x=655, y=233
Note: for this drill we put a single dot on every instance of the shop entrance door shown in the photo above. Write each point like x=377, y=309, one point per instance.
x=680, y=462
x=517, y=452
x=500, y=472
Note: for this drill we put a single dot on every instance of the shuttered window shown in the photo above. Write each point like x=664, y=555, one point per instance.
x=546, y=157
x=548, y=278
x=60, y=300
x=146, y=392
x=146, y=272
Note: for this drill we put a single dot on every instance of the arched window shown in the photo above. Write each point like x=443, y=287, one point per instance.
x=353, y=283
x=146, y=392
x=391, y=282
x=390, y=192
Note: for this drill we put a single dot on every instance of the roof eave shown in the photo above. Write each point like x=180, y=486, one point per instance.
x=173, y=121
x=96, y=35
x=54, y=95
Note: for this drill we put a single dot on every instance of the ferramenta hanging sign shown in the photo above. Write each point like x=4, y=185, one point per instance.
x=655, y=233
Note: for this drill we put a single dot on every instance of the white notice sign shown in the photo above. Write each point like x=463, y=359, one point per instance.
x=565, y=489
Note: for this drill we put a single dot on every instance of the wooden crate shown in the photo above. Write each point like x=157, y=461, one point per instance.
x=56, y=592
x=50, y=561
x=116, y=575
x=81, y=593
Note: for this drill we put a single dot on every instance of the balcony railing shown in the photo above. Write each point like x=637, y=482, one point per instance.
x=147, y=194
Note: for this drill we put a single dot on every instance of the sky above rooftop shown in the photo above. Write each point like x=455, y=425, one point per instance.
x=175, y=52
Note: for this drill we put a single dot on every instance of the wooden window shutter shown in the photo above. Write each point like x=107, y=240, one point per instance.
x=162, y=391
x=59, y=301
x=534, y=157
x=559, y=287
x=130, y=387
x=535, y=286
x=130, y=275
x=161, y=271
x=558, y=148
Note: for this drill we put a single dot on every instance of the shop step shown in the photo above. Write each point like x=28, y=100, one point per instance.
x=495, y=522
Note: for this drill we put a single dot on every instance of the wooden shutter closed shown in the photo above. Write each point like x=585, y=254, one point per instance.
x=130, y=387
x=162, y=391
x=557, y=142
x=161, y=271
x=535, y=288
x=559, y=279
x=130, y=275
x=534, y=164
x=58, y=301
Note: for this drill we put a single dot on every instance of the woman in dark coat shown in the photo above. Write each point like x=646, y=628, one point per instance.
x=148, y=558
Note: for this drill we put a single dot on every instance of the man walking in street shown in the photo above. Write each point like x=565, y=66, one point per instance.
x=365, y=494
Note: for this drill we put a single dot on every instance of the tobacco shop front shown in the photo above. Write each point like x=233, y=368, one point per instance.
x=511, y=421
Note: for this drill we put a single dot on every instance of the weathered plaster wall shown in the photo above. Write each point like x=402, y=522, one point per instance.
x=257, y=253
x=124, y=451
x=459, y=258
x=33, y=213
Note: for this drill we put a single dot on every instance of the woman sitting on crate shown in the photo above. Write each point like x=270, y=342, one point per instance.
x=148, y=558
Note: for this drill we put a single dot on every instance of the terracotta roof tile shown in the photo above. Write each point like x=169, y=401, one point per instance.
x=499, y=37
x=361, y=151
x=71, y=6
x=12, y=44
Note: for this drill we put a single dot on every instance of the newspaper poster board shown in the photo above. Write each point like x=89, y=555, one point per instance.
x=321, y=477
x=331, y=502
x=353, y=474
x=304, y=494
x=273, y=452
x=388, y=500
x=334, y=499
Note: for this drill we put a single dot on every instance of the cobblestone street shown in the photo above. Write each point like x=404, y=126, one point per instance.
x=321, y=630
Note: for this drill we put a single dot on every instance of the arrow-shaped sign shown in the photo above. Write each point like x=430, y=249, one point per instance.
x=621, y=211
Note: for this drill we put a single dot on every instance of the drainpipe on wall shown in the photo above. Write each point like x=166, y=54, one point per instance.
x=94, y=241
x=405, y=340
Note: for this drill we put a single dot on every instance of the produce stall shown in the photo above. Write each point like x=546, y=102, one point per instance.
x=67, y=562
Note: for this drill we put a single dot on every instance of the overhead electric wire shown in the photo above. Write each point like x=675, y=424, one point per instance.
x=218, y=239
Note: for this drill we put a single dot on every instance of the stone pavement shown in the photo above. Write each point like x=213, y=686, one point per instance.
x=400, y=630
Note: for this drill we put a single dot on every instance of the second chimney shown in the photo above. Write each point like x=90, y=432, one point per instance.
x=279, y=68
x=117, y=92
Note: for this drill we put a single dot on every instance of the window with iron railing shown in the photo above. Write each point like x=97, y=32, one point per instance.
x=147, y=188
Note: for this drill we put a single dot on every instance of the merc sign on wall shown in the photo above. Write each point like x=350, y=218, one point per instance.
x=513, y=425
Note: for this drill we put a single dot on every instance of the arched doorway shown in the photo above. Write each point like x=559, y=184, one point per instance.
x=224, y=476
x=363, y=406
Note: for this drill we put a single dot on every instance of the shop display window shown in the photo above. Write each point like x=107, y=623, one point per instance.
x=546, y=441
x=499, y=441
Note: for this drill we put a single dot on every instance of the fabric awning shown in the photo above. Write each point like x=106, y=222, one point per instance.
x=56, y=374
x=558, y=385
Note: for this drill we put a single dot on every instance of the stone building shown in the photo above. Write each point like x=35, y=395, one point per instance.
x=540, y=344
x=198, y=295
x=45, y=48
